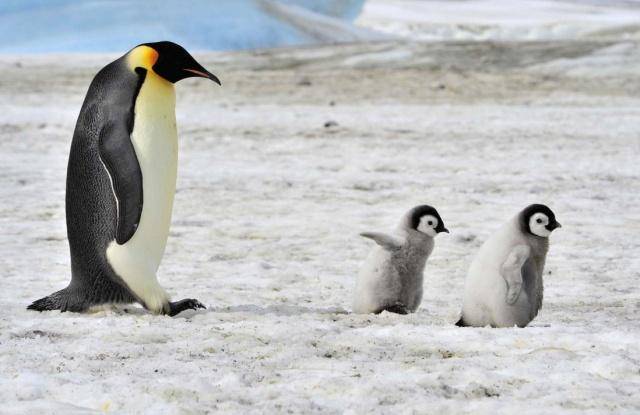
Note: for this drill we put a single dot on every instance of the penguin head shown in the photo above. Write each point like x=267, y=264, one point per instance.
x=427, y=220
x=538, y=220
x=168, y=60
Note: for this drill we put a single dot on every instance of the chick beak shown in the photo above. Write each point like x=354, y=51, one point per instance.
x=554, y=225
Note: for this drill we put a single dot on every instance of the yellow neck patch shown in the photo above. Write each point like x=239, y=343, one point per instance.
x=142, y=56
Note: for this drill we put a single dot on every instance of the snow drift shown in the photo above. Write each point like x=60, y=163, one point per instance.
x=503, y=20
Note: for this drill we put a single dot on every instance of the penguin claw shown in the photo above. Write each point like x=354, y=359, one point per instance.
x=397, y=308
x=177, y=307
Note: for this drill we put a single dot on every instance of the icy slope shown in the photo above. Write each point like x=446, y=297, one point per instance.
x=114, y=26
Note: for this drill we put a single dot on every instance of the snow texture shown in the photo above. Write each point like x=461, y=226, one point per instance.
x=503, y=19
x=280, y=169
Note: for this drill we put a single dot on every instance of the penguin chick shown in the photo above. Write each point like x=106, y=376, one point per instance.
x=504, y=283
x=121, y=180
x=391, y=277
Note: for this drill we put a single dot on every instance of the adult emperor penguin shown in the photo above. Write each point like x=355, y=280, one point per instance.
x=504, y=283
x=121, y=180
x=391, y=277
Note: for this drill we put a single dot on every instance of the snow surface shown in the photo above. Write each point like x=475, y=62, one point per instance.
x=265, y=232
x=502, y=19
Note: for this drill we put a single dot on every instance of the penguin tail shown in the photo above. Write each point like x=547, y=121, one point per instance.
x=45, y=304
x=461, y=323
x=56, y=301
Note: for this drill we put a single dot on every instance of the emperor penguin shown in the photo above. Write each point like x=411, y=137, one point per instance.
x=121, y=180
x=503, y=287
x=391, y=277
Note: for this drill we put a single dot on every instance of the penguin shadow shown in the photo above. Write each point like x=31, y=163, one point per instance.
x=118, y=309
x=279, y=310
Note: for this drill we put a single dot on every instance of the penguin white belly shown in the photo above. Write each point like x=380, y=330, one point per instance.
x=485, y=299
x=378, y=283
x=155, y=141
x=486, y=289
x=483, y=290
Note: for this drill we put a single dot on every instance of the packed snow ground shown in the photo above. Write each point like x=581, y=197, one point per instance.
x=266, y=222
x=503, y=19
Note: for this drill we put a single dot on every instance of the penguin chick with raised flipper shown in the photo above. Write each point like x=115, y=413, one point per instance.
x=391, y=277
x=504, y=283
x=121, y=180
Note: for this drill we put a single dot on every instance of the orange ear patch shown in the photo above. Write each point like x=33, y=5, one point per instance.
x=142, y=56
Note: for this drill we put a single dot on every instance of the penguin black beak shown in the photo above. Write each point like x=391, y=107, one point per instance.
x=554, y=225
x=203, y=73
x=443, y=229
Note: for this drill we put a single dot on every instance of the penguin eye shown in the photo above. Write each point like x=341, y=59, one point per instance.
x=539, y=220
x=430, y=223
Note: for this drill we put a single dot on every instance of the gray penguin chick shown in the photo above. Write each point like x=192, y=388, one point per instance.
x=504, y=283
x=391, y=277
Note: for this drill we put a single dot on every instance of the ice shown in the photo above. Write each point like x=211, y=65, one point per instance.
x=107, y=26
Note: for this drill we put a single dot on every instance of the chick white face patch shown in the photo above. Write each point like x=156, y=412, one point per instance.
x=427, y=225
x=538, y=225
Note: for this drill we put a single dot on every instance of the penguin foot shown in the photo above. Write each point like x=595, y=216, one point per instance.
x=178, y=307
x=396, y=308
x=461, y=323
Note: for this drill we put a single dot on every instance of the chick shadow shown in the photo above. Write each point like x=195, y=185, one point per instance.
x=278, y=310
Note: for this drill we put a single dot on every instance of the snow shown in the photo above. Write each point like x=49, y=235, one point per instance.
x=615, y=59
x=265, y=232
x=266, y=221
x=502, y=19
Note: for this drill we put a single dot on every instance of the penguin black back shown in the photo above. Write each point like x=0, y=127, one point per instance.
x=107, y=112
x=104, y=193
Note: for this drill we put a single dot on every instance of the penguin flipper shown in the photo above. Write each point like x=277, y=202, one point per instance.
x=388, y=242
x=511, y=271
x=120, y=160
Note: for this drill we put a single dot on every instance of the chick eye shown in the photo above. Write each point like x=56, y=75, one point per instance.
x=430, y=223
x=539, y=220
